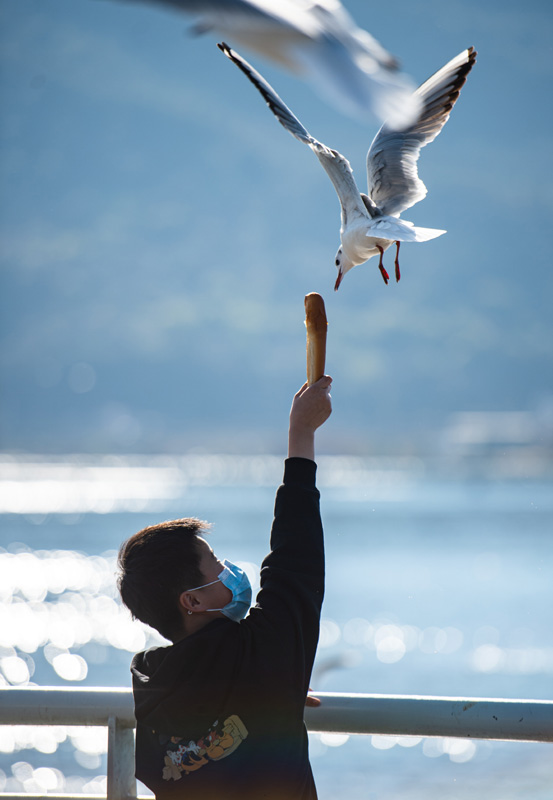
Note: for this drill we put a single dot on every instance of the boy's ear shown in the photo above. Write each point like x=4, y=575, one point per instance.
x=188, y=601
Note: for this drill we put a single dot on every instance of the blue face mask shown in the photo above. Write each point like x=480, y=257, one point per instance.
x=239, y=584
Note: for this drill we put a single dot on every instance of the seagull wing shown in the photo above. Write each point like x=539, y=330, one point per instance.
x=250, y=18
x=393, y=180
x=336, y=166
x=308, y=19
x=320, y=42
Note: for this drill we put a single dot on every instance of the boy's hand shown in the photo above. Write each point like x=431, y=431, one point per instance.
x=311, y=701
x=311, y=407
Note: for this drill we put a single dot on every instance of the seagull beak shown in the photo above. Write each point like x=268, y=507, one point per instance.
x=338, y=280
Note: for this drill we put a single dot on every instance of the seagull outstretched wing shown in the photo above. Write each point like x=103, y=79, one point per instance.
x=393, y=180
x=336, y=165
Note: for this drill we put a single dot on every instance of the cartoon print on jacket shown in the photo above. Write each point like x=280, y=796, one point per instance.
x=182, y=758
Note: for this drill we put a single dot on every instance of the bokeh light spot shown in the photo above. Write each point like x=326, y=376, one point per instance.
x=70, y=667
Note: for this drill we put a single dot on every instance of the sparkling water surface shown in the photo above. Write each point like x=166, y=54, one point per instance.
x=436, y=585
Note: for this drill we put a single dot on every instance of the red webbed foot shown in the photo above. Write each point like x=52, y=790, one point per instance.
x=383, y=272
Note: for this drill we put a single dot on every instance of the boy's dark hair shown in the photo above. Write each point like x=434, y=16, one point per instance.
x=156, y=565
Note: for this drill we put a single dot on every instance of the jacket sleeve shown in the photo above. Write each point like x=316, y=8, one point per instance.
x=292, y=575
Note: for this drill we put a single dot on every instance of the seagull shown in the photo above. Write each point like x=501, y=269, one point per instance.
x=318, y=41
x=370, y=222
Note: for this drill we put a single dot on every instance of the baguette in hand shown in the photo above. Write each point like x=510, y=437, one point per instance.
x=316, y=324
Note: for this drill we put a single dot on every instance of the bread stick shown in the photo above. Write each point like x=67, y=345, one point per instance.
x=316, y=324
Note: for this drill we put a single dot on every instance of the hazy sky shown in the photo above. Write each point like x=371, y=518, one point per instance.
x=160, y=231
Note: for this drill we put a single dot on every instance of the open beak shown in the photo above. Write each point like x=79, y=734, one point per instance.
x=338, y=280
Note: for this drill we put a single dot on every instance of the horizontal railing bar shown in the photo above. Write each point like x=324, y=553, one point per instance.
x=407, y=715
x=50, y=796
x=399, y=715
x=70, y=705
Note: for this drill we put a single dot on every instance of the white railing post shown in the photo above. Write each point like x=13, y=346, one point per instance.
x=121, y=780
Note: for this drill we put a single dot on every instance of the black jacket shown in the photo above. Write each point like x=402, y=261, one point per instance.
x=220, y=713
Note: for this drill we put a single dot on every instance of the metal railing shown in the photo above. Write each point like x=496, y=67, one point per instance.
x=395, y=715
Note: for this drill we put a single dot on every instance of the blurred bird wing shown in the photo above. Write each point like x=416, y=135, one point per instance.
x=318, y=40
x=296, y=19
x=393, y=181
x=296, y=16
x=336, y=166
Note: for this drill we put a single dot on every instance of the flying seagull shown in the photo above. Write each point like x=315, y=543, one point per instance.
x=318, y=41
x=370, y=222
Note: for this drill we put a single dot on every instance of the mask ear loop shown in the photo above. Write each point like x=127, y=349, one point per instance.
x=203, y=586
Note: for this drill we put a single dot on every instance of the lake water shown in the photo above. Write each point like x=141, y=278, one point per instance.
x=438, y=583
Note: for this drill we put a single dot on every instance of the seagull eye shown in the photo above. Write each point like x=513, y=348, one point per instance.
x=337, y=262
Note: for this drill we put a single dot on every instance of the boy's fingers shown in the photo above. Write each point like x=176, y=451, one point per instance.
x=322, y=383
x=312, y=701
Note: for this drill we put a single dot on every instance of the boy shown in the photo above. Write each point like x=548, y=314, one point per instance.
x=220, y=712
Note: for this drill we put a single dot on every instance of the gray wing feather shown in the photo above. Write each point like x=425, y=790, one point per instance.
x=279, y=108
x=336, y=165
x=393, y=181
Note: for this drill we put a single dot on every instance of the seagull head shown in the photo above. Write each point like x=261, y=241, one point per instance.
x=343, y=265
